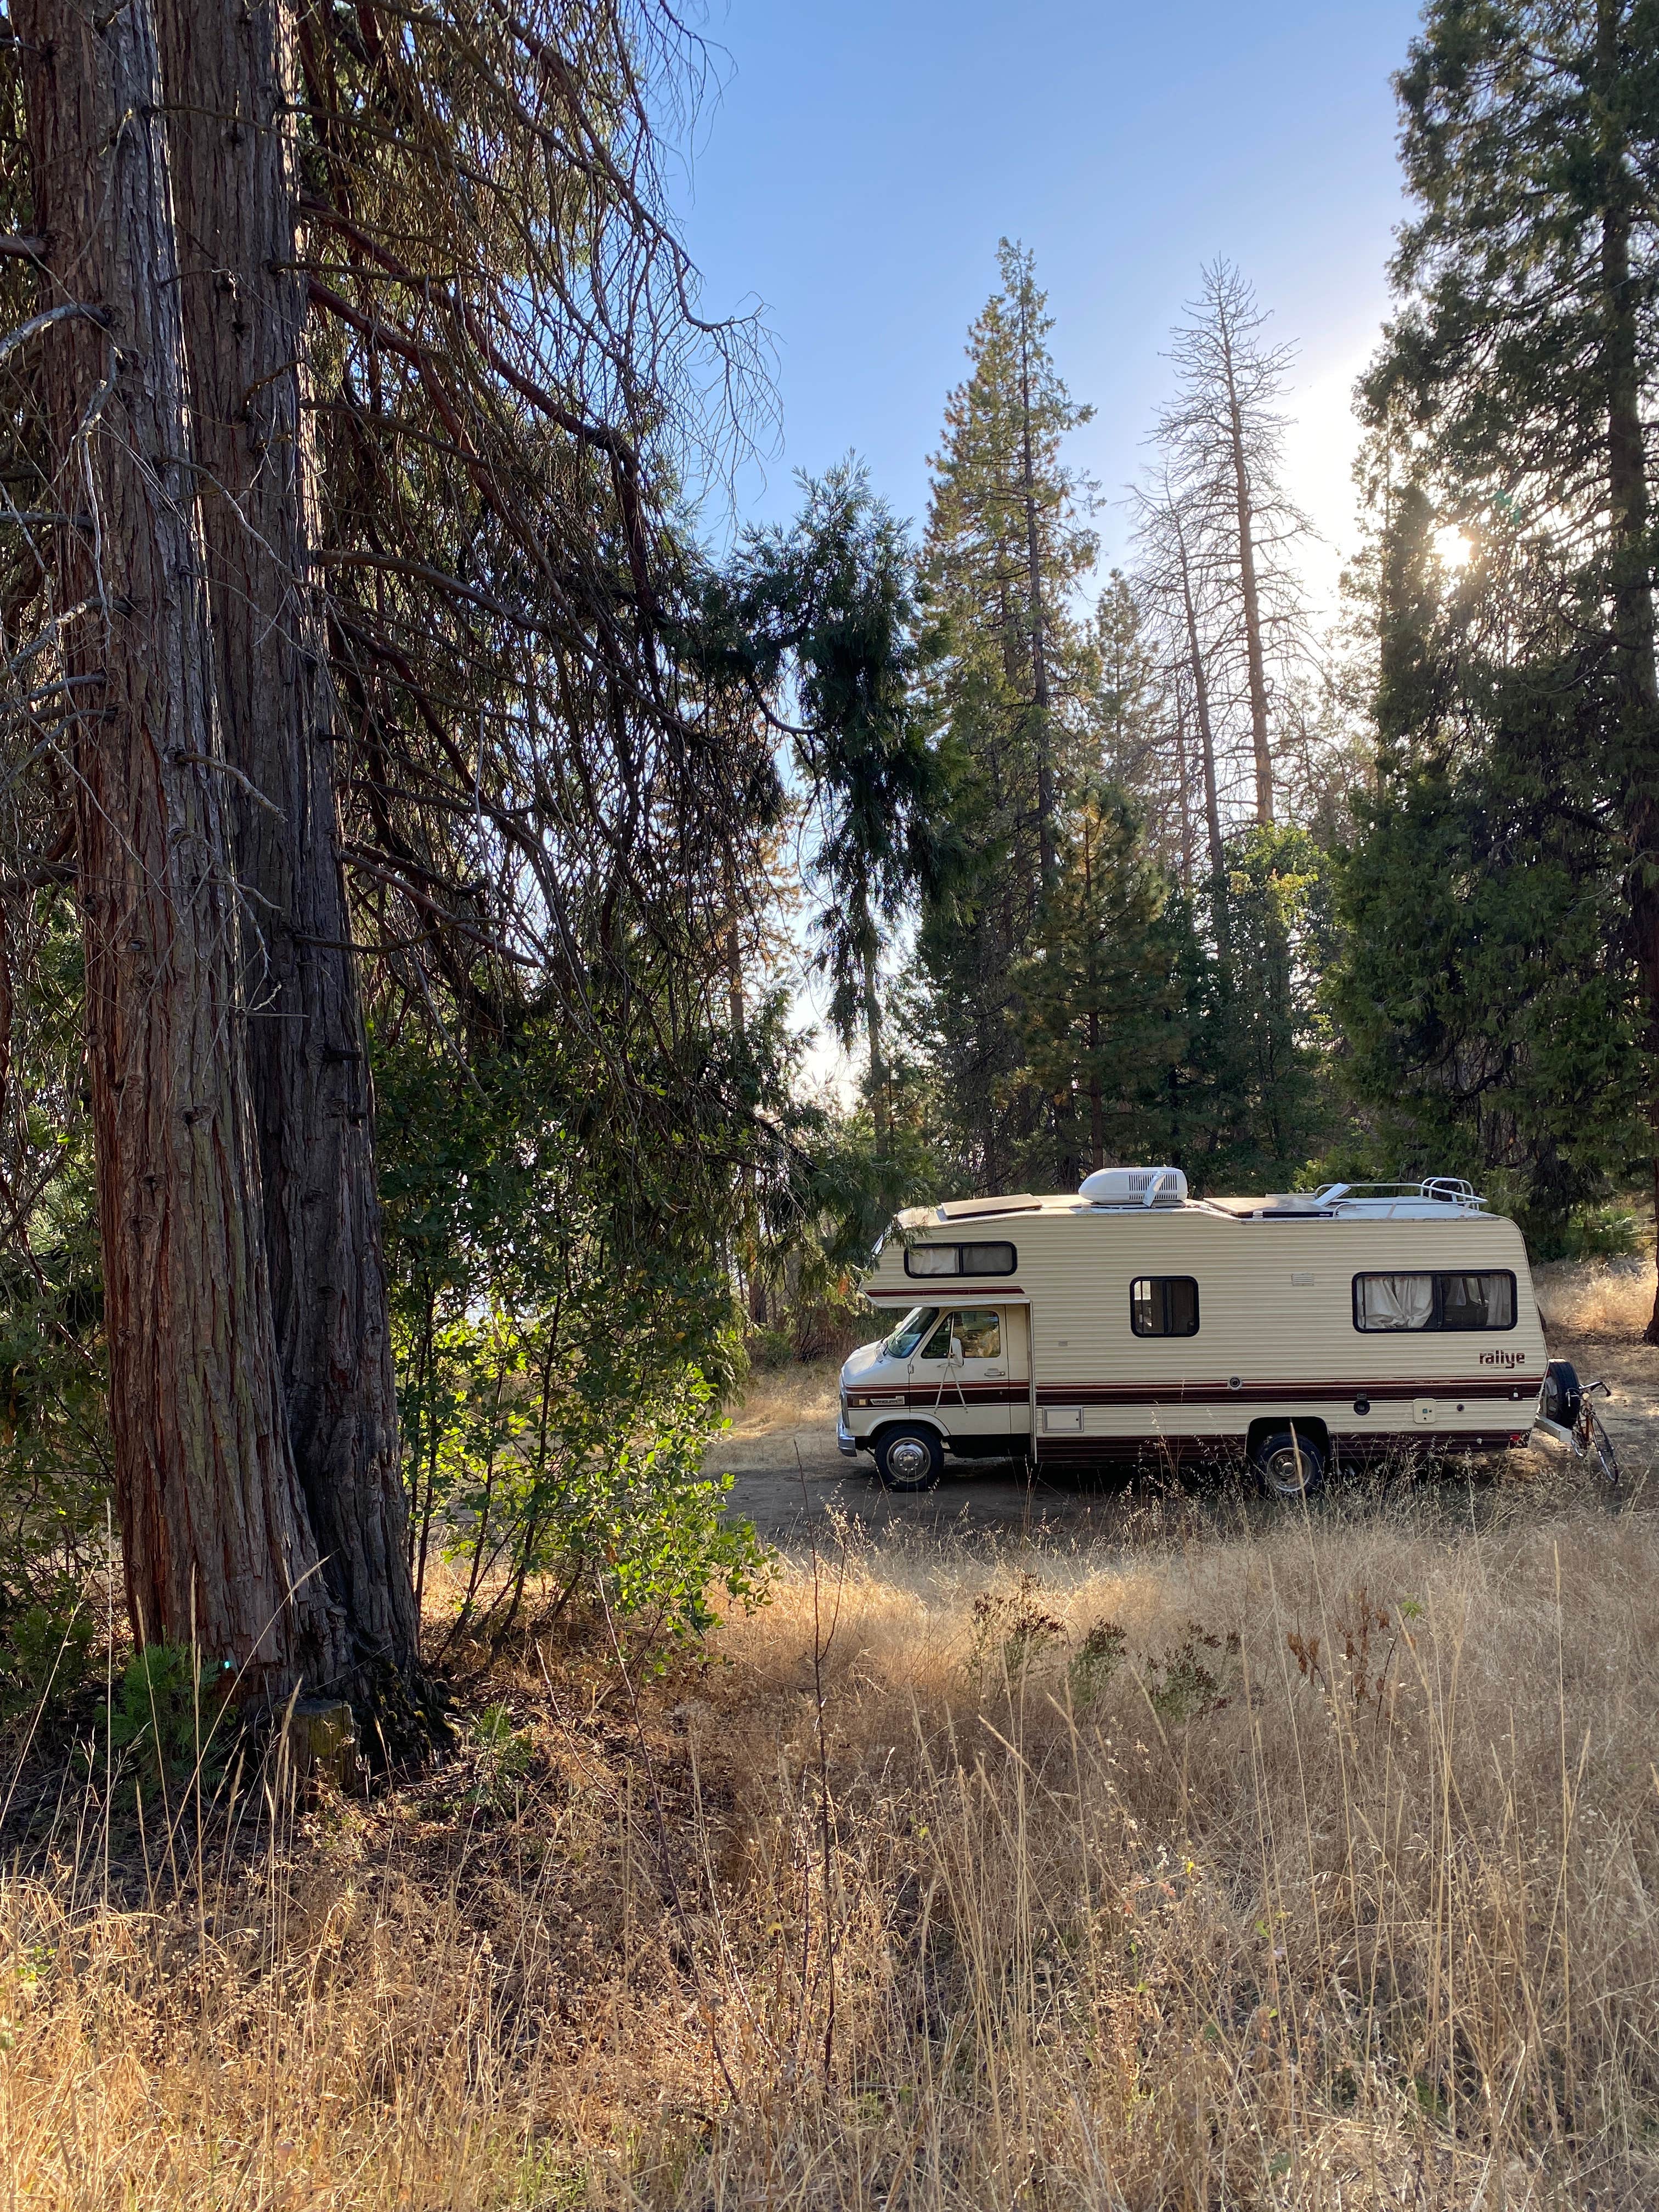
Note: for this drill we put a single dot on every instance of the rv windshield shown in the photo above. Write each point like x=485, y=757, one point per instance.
x=910, y=1331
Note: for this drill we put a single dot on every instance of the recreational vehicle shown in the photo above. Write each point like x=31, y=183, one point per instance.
x=1304, y=1330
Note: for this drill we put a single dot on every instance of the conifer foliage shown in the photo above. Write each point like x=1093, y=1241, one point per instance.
x=1511, y=407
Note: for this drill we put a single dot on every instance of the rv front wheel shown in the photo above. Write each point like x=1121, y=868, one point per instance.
x=1288, y=1466
x=909, y=1459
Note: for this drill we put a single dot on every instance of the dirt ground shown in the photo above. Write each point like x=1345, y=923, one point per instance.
x=781, y=1448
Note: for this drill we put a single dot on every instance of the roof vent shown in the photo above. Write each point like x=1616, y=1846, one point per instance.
x=1134, y=1186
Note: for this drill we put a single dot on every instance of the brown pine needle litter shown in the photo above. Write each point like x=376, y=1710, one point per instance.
x=1310, y=1862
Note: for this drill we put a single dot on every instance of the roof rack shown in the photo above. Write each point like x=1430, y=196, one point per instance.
x=1391, y=1201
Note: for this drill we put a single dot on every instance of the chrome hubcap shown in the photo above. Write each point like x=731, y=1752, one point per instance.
x=1288, y=1473
x=909, y=1459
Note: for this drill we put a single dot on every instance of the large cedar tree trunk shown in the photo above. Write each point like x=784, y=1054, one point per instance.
x=215, y=1535
x=229, y=73
x=1638, y=689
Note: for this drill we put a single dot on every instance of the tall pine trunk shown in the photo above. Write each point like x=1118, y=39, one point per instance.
x=880, y=1100
x=216, y=1538
x=1255, y=661
x=1047, y=859
x=1207, y=750
x=1183, y=792
x=228, y=74
x=1638, y=689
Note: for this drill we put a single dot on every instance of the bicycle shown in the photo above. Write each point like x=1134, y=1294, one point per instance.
x=1565, y=1413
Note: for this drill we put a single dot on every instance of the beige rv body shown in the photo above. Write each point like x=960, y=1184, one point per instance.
x=1278, y=1341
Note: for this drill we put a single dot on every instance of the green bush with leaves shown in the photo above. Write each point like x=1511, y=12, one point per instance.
x=564, y=1332
x=54, y=1435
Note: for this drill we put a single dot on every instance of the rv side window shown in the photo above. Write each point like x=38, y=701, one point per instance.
x=1436, y=1302
x=959, y=1260
x=987, y=1260
x=1164, y=1305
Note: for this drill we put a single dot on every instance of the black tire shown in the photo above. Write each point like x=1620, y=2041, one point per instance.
x=1288, y=1465
x=1562, y=1398
x=909, y=1458
x=1603, y=1454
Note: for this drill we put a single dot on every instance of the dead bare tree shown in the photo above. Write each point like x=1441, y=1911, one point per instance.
x=1221, y=443
x=1176, y=592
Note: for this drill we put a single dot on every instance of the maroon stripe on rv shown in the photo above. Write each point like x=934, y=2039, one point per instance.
x=930, y=1395
x=1511, y=1386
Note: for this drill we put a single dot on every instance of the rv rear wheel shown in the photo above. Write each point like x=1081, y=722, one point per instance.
x=909, y=1459
x=1288, y=1465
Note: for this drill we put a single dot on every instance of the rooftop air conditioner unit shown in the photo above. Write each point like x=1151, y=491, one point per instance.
x=1134, y=1186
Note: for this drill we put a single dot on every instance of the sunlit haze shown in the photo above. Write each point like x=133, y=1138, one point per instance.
x=1452, y=548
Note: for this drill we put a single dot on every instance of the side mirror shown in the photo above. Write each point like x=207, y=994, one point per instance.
x=955, y=1349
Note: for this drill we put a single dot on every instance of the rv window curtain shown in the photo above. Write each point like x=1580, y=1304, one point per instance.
x=1477, y=1301
x=1387, y=1301
x=1447, y=1302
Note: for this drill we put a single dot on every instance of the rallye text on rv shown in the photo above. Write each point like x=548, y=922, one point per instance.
x=1305, y=1328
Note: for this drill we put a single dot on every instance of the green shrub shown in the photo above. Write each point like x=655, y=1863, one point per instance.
x=166, y=1726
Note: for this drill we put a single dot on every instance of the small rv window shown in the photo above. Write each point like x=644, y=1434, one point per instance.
x=1434, y=1302
x=1164, y=1305
x=959, y=1260
x=987, y=1260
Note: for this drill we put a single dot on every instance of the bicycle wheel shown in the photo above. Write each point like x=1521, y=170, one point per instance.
x=1602, y=1451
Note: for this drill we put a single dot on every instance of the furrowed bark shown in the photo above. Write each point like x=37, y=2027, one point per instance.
x=228, y=72
x=1637, y=686
x=216, y=1540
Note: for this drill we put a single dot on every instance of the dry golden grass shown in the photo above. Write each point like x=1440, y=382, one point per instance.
x=923, y=1897
x=781, y=1401
x=1610, y=1301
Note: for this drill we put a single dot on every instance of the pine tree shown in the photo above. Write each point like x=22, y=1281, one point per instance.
x=1485, y=995
x=1006, y=538
x=1515, y=385
x=1104, y=1007
x=1140, y=721
x=827, y=607
x=1007, y=541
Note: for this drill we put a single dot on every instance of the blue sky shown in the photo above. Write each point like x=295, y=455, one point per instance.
x=861, y=162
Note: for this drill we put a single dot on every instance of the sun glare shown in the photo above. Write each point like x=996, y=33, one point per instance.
x=1452, y=547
